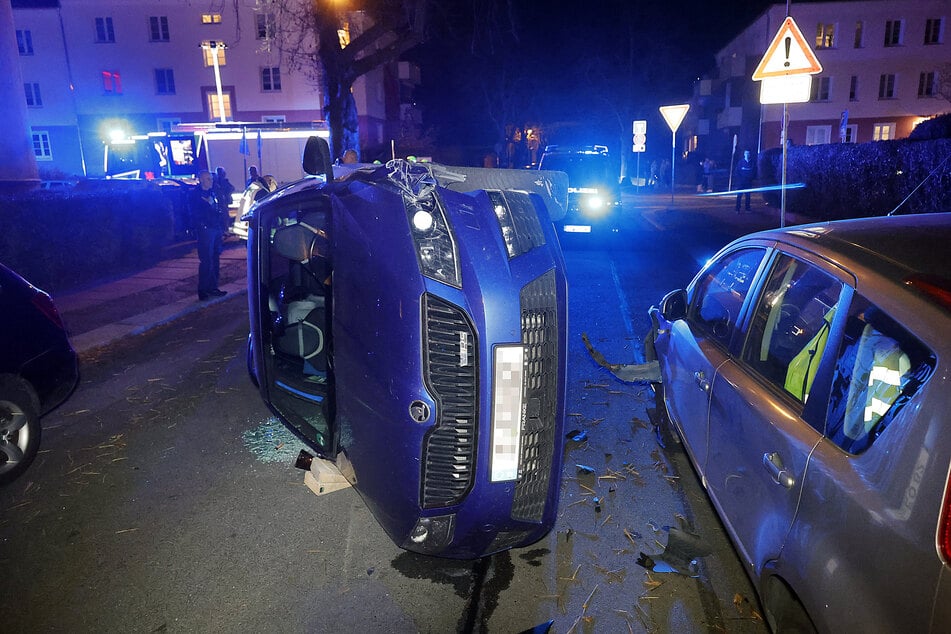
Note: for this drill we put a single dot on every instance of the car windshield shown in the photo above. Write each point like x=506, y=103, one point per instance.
x=581, y=168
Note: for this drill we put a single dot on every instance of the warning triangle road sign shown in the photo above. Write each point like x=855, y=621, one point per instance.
x=788, y=54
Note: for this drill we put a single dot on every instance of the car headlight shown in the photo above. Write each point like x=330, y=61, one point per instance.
x=435, y=246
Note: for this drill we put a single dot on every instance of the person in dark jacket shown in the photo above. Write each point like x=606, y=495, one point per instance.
x=223, y=190
x=743, y=178
x=206, y=216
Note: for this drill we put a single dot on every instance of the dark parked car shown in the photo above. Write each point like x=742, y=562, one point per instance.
x=408, y=321
x=38, y=369
x=806, y=371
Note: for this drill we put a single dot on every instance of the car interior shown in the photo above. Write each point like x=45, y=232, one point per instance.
x=299, y=308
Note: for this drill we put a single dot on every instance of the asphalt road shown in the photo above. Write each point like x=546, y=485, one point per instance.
x=164, y=498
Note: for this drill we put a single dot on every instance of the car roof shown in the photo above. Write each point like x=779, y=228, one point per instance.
x=894, y=246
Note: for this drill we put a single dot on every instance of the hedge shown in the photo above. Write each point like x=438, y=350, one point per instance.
x=847, y=180
x=62, y=240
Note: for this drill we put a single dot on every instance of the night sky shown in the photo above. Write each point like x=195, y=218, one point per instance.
x=581, y=69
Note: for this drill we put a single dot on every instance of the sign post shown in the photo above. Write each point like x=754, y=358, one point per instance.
x=786, y=74
x=640, y=145
x=673, y=115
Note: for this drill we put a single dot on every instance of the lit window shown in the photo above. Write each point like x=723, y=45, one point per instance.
x=33, y=98
x=41, y=146
x=24, y=42
x=933, y=30
x=271, y=79
x=212, y=99
x=211, y=18
x=886, y=87
x=158, y=28
x=854, y=88
x=926, y=85
x=164, y=81
x=111, y=82
x=820, y=89
x=883, y=131
x=893, y=32
x=825, y=35
x=104, y=31
x=209, y=49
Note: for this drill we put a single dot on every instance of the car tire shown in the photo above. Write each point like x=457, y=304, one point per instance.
x=19, y=427
x=784, y=613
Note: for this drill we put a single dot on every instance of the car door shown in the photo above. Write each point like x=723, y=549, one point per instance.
x=699, y=344
x=290, y=301
x=760, y=436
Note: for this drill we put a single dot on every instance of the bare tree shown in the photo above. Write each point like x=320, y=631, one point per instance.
x=333, y=44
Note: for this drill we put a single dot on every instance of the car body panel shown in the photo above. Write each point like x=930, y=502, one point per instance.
x=36, y=346
x=855, y=536
x=407, y=351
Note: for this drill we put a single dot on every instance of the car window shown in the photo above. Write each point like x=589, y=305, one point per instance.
x=879, y=369
x=719, y=294
x=791, y=324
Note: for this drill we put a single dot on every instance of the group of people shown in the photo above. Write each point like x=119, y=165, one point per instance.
x=208, y=204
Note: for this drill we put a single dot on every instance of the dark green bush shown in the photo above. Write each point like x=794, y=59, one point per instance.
x=61, y=240
x=846, y=180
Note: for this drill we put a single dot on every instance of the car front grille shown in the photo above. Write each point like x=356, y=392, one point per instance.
x=539, y=303
x=451, y=373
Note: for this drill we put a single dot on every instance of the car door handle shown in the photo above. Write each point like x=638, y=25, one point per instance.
x=702, y=380
x=774, y=464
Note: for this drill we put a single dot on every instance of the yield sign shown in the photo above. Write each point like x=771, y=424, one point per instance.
x=788, y=54
x=673, y=115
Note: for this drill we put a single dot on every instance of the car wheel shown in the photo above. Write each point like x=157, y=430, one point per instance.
x=784, y=613
x=19, y=428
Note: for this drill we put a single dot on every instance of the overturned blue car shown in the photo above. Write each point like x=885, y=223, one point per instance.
x=408, y=321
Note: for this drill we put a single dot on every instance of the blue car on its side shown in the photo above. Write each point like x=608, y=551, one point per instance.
x=409, y=322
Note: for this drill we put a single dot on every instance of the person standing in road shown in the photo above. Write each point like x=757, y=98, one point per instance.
x=743, y=178
x=205, y=213
x=223, y=190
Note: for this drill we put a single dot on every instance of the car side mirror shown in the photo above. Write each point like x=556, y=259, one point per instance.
x=316, y=159
x=674, y=305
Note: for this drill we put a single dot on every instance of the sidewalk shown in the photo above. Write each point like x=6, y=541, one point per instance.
x=103, y=313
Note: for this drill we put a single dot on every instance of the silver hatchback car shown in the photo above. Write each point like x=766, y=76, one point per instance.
x=807, y=373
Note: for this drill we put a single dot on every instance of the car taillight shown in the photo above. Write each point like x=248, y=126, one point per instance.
x=937, y=289
x=944, y=528
x=45, y=305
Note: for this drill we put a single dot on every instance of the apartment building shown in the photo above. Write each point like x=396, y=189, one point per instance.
x=95, y=68
x=883, y=64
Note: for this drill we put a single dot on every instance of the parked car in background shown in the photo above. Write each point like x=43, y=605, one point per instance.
x=409, y=322
x=38, y=369
x=807, y=373
x=594, y=190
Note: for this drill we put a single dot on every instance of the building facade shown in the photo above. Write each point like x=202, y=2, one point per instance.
x=93, y=69
x=886, y=66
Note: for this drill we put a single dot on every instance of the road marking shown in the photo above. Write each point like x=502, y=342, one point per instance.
x=626, y=314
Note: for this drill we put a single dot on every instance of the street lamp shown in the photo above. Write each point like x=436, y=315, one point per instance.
x=673, y=115
x=213, y=46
